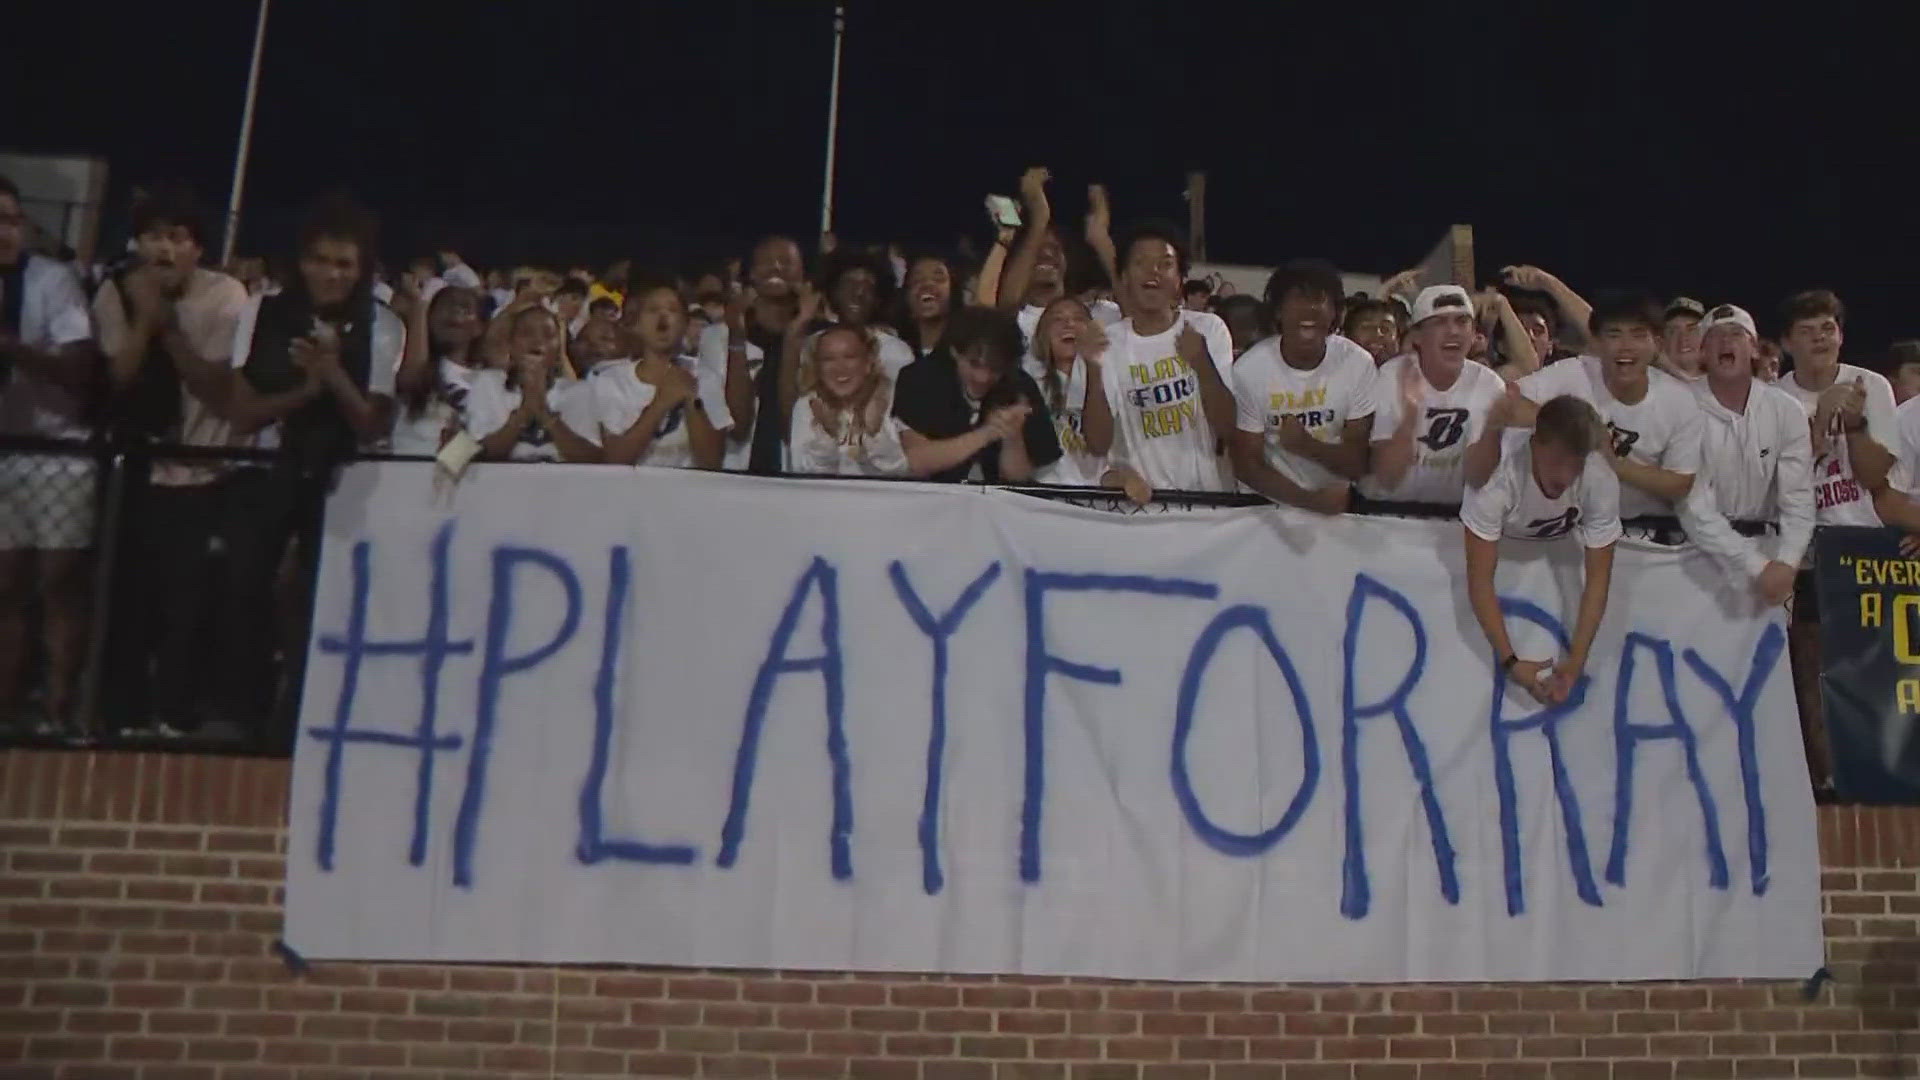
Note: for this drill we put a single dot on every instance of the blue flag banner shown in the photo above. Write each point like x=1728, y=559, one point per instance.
x=1869, y=596
x=583, y=714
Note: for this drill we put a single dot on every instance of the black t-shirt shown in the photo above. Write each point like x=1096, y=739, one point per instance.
x=927, y=398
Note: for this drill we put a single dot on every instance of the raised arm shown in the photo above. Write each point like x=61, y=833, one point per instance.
x=1100, y=230
x=1575, y=312
x=1013, y=284
x=793, y=346
x=1515, y=343
x=986, y=289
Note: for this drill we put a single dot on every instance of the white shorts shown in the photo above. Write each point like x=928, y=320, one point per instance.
x=46, y=502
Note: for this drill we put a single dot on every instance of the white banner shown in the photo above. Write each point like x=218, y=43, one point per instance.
x=583, y=714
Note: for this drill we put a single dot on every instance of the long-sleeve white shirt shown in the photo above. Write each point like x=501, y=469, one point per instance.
x=1755, y=465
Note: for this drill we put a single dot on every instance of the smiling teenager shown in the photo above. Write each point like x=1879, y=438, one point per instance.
x=1305, y=396
x=1430, y=405
x=1651, y=417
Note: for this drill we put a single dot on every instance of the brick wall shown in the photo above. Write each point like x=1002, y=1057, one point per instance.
x=140, y=897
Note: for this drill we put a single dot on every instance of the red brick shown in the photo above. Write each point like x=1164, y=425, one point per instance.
x=1268, y=1024
x=956, y=1070
x=699, y=989
x=376, y=1055
x=1174, y=1024
x=852, y=993
x=1072, y=998
x=884, y=1020
x=735, y=1066
x=223, y=1050
x=993, y=1046
x=1070, y=1048
x=1283, y=1049
x=664, y=1013
x=882, y=1069
x=924, y=996
x=811, y=1018
x=958, y=1020
x=104, y=1022
x=264, y=1025
x=1316, y=1024
x=843, y=1044
x=1212, y=1000
x=335, y=1027
x=776, y=991
x=1138, y=999
x=664, y=1064
x=1140, y=1049
x=148, y=995
x=1103, y=1023
x=772, y=1042
x=66, y=1048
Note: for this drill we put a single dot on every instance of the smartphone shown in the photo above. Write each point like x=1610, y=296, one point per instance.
x=1004, y=210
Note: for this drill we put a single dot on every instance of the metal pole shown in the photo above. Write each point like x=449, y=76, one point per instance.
x=833, y=120
x=246, y=140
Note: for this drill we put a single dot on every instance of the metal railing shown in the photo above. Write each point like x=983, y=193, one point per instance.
x=157, y=596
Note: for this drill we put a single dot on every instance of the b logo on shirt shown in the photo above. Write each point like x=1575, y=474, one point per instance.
x=1558, y=525
x=1623, y=439
x=1444, y=427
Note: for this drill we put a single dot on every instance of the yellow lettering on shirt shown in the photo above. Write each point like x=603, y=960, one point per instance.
x=1163, y=395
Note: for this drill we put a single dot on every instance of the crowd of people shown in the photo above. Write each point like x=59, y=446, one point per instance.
x=1062, y=357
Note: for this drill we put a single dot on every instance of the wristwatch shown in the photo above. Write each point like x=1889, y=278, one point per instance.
x=1507, y=664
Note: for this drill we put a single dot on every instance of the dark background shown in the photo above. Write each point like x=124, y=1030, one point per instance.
x=1722, y=153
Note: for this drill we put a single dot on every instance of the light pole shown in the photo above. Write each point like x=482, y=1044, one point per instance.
x=833, y=120
x=232, y=230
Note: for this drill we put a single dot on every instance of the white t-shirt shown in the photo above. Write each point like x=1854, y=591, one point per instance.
x=490, y=401
x=53, y=313
x=1511, y=503
x=812, y=449
x=207, y=310
x=1906, y=448
x=1266, y=389
x=1452, y=420
x=1662, y=428
x=388, y=347
x=420, y=435
x=620, y=396
x=1077, y=466
x=1105, y=312
x=1160, y=428
x=1838, y=497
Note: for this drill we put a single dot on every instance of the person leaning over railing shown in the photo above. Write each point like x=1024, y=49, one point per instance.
x=314, y=369
x=1551, y=482
x=167, y=328
x=47, y=381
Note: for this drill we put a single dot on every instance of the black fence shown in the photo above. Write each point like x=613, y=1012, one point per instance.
x=158, y=596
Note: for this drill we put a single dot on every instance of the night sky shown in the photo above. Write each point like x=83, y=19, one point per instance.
x=1724, y=154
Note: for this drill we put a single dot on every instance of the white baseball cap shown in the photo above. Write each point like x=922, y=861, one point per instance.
x=1728, y=314
x=1440, y=300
